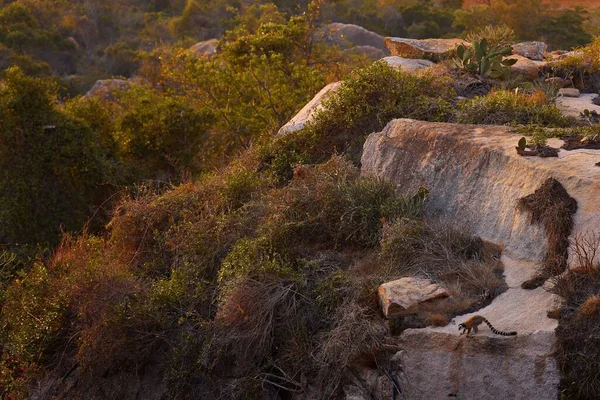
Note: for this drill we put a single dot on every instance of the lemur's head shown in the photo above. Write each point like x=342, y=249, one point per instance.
x=462, y=326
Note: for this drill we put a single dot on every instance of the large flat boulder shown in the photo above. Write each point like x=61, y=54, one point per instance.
x=309, y=110
x=485, y=365
x=404, y=296
x=430, y=49
x=475, y=176
x=443, y=366
x=106, y=89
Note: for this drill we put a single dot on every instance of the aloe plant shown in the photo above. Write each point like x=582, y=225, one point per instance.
x=484, y=61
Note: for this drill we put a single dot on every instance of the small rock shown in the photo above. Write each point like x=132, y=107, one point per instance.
x=403, y=296
x=431, y=49
x=569, y=92
x=532, y=50
x=558, y=82
x=407, y=64
x=527, y=67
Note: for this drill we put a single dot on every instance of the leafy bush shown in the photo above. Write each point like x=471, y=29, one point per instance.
x=367, y=100
x=503, y=107
x=161, y=134
x=53, y=165
x=582, y=67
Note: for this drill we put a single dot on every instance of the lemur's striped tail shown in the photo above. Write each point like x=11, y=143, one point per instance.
x=497, y=332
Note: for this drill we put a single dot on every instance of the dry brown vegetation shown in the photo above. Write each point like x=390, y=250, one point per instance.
x=553, y=208
x=578, y=332
x=233, y=286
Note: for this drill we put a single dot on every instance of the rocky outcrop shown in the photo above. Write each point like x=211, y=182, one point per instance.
x=407, y=64
x=348, y=35
x=430, y=49
x=107, y=88
x=403, y=296
x=488, y=366
x=309, y=110
x=532, y=50
x=204, y=48
x=474, y=174
x=475, y=178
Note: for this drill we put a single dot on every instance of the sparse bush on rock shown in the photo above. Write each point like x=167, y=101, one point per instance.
x=502, y=107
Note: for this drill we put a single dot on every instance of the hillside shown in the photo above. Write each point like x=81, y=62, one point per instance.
x=273, y=201
x=590, y=4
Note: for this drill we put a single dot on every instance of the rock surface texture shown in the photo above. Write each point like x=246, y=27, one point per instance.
x=475, y=177
x=367, y=51
x=205, y=48
x=569, y=92
x=309, y=110
x=526, y=66
x=353, y=35
x=431, y=49
x=407, y=64
x=574, y=106
x=403, y=296
x=532, y=50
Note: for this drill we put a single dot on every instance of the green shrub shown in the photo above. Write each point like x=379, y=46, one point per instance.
x=365, y=103
x=332, y=204
x=582, y=67
x=509, y=107
x=32, y=315
x=53, y=167
x=161, y=134
x=254, y=258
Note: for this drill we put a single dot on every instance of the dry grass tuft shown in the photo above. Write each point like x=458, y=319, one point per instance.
x=467, y=266
x=590, y=308
x=437, y=320
x=553, y=208
x=578, y=331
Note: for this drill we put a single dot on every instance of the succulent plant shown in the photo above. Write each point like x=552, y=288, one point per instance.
x=484, y=61
x=522, y=144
